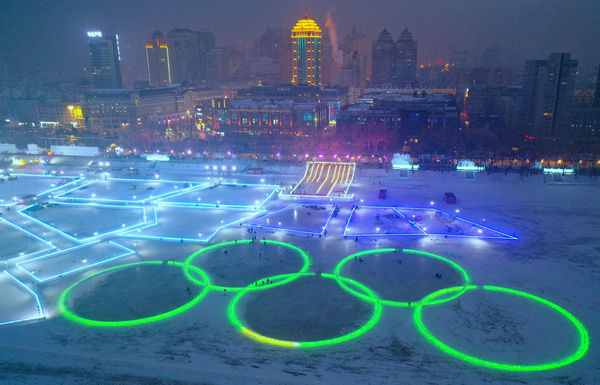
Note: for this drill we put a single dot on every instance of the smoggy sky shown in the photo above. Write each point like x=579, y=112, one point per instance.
x=50, y=35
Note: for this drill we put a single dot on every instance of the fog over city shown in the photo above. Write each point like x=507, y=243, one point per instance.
x=52, y=32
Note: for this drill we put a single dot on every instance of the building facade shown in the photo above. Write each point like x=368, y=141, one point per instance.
x=306, y=52
x=406, y=59
x=105, y=60
x=263, y=117
x=548, y=96
x=158, y=61
x=117, y=111
x=184, y=53
x=388, y=120
x=384, y=56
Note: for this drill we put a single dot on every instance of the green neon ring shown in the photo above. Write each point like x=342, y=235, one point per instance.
x=303, y=254
x=233, y=318
x=456, y=266
x=584, y=340
x=69, y=314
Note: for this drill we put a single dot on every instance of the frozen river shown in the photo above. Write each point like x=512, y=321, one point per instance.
x=556, y=257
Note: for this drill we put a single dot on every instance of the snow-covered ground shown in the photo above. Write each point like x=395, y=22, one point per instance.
x=557, y=257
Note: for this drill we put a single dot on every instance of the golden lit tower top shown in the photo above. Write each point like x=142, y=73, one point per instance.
x=306, y=52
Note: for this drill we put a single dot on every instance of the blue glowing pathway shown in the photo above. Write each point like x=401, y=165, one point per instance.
x=190, y=224
x=87, y=221
x=305, y=219
x=18, y=242
x=242, y=195
x=19, y=303
x=75, y=259
x=124, y=190
x=375, y=221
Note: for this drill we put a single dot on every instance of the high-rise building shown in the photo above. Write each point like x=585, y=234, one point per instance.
x=105, y=60
x=158, y=60
x=206, y=43
x=270, y=44
x=384, y=56
x=184, y=54
x=597, y=93
x=548, y=95
x=361, y=44
x=306, y=52
x=406, y=59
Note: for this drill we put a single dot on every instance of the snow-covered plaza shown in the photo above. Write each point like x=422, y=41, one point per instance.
x=194, y=278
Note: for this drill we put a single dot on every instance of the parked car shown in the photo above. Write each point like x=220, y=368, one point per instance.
x=449, y=197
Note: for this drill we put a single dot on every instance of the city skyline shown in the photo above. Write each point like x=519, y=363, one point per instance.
x=440, y=29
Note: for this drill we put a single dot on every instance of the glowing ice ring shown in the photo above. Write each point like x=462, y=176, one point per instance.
x=584, y=340
x=377, y=307
x=292, y=276
x=69, y=314
x=463, y=273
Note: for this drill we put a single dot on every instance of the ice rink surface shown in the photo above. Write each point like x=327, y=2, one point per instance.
x=17, y=242
x=193, y=224
x=87, y=221
x=556, y=258
x=311, y=219
x=124, y=190
x=31, y=184
x=245, y=195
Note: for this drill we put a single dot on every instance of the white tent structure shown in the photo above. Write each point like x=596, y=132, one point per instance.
x=403, y=162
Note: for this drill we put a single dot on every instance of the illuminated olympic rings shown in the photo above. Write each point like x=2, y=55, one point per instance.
x=462, y=272
x=291, y=277
x=584, y=340
x=377, y=307
x=356, y=288
x=71, y=315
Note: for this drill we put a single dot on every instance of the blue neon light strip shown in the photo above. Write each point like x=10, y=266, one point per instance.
x=127, y=253
x=75, y=180
x=470, y=168
x=37, y=299
x=405, y=167
x=208, y=186
x=411, y=221
x=566, y=171
x=48, y=243
x=425, y=233
x=193, y=185
x=288, y=229
x=102, y=235
x=138, y=235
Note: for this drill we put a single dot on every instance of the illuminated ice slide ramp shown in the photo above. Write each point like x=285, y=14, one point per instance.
x=325, y=179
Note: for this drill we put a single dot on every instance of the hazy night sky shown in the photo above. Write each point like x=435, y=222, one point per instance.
x=39, y=33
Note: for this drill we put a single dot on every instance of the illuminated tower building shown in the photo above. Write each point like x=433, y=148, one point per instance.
x=105, y=60
x=306, y=52
x=158, y=61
